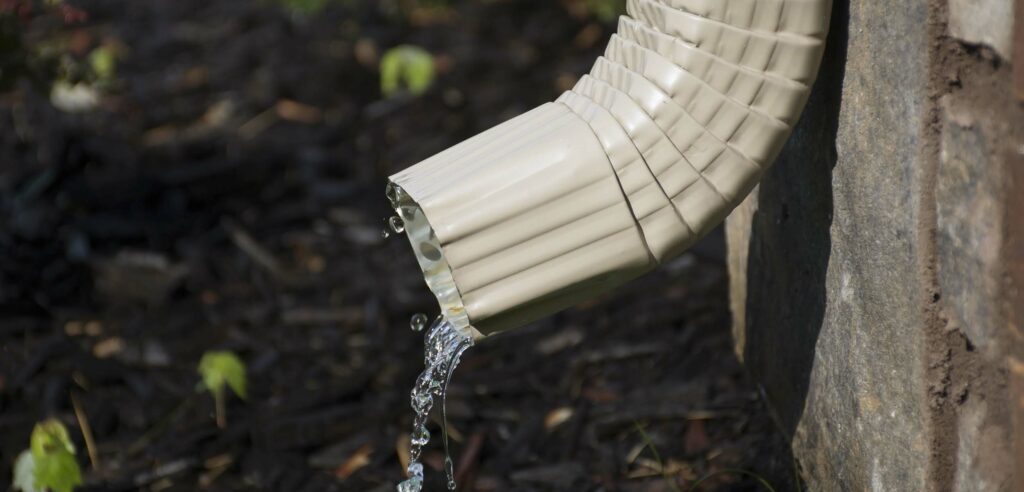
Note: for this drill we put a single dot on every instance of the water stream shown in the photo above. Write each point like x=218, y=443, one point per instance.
x=444, y=343
x=443, y=348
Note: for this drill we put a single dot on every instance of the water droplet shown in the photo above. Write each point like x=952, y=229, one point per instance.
x=449, y=471
x=396, y=224
x=418, y=322
x=385, y=233
x=421, y=436
x=392, y=193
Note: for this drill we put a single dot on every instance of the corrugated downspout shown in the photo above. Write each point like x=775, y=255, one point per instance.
x=671, y=129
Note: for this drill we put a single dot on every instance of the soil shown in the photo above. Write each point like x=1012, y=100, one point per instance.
x=227, y=194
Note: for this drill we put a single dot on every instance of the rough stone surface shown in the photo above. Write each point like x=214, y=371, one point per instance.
x=877, y=270
x=988, y=22
x=830, y=314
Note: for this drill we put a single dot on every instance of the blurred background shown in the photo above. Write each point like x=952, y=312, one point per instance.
x=180, y=177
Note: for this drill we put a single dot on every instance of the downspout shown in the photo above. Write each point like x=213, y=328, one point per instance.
x=670, y=130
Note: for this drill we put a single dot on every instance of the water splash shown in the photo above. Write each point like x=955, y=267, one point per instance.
x=443, y=349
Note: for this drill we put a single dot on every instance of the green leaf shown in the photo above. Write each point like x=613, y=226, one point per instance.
x=222, y=367
x=25, y=473
x=406, y=66
x=49, y=437
x=59, y=472
x=103, y=63
x=54, y=466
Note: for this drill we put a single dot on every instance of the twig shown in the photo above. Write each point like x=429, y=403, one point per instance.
x=245, y=242
x=221, y=409
x=164, y=470
x=83, y=424
x=255, y=250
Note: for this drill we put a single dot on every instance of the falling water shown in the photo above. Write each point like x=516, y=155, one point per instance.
x=443, y=348
x=444, y=344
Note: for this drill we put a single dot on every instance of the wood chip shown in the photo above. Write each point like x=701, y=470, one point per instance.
x=557, y=417
x=358, y=460
x=696, y=438
x=297, y=112
x=93, y=328
x=402, y=445
x=108, y=347
x=366, y=52
x=219, y=461
x=74, y=328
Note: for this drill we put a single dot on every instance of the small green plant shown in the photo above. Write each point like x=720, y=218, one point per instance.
x=221, y=369
x=49, y=464
x=406, y=67
x=103, y=63
x=606, y=10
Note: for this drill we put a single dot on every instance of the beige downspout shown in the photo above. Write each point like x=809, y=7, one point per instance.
x=671, y=129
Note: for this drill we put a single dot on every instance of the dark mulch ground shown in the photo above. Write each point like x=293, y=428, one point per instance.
x=228, y=194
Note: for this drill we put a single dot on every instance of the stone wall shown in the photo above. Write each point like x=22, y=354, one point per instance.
x=876, y=272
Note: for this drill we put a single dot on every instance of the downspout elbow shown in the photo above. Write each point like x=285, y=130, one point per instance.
x=670, y=130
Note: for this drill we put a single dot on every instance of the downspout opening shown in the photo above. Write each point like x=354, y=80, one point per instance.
x=436, y=271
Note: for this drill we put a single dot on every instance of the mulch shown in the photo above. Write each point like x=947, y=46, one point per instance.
x=227, y=194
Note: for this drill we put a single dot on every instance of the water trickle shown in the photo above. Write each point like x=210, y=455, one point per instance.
x=443, y=349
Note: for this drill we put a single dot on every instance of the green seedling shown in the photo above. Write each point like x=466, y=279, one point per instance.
x=406, y=67
x=103, y=63
x=49, y=464
x=606, y=10
x=220, y=369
